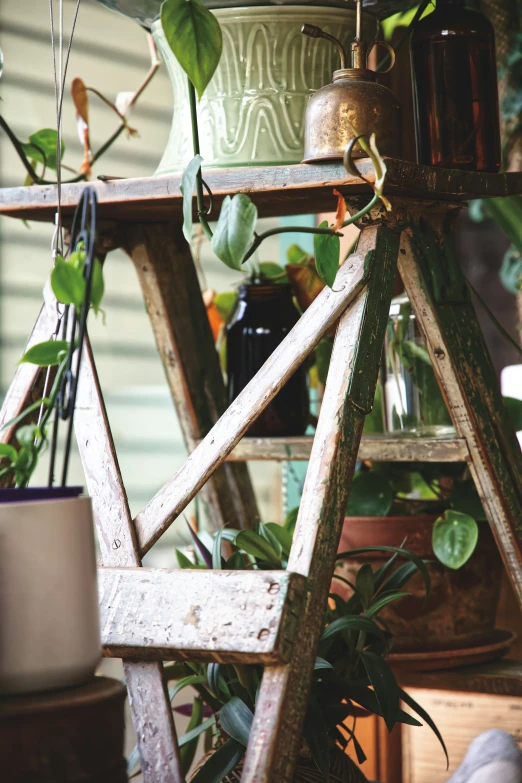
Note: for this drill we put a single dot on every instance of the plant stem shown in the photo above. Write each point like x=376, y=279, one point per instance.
x=195, y=143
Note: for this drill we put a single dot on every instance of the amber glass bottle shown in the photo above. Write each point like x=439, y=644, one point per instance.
x=455, y=89
x=263, y=317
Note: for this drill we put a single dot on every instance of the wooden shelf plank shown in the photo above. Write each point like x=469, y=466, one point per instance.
x=276, y=190
x=503, y=678
x=224, y=616
x=377, y=448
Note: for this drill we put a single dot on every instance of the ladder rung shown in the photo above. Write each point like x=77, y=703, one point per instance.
x=224, y=616
x=374, y=447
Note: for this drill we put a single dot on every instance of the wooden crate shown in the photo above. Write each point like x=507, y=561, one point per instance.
x=460, y=717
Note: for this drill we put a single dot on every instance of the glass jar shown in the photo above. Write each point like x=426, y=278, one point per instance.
x=413, y=404
x=455, y=89
x=263, y=317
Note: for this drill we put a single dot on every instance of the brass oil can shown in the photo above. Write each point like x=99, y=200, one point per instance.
x=353, y=105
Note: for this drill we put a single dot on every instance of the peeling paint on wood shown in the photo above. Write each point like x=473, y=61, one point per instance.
x=282, y=699
x=223, y=616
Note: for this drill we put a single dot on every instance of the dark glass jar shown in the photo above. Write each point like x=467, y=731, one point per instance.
x=455, y=89
x=263, y=317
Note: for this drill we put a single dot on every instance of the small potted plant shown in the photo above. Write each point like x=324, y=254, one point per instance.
x=49, y=599
x=351, y=676
x=435, y=509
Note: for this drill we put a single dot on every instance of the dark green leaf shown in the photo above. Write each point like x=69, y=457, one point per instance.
x=296, y=255
x=220, y=763
x=235, y=229
x=188, y=185
x=188, y=750
x=364, y=584
x=236, y=719
x=235, y=562
x=97, y=285
x=291, y=519
x=196, y=732
x=407, y=699
x=381, y=601
x=184, y=562
x=327, y=249
x=399, y=577
x=352, y=623
x=272, y=539
x=8, y=451
x=454, y=538
x=282, y=535
x=253, y=544
x=42, y=147
x=464, y=498
x=213, y=677
x=45, y=354
x=371, y=495
x=226, y=304
x=68, y=283
x=384, y=685
x=316, y=737
x=273, y=272
x=421, y=566
x=514, y=409
x=194, y=35
x=185, y=682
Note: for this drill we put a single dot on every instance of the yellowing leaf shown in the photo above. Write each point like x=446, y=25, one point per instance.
x=81, y=104
x=306, y=283
x=340, y=215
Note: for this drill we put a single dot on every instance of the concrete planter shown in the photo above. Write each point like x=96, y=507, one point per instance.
x=49, y=626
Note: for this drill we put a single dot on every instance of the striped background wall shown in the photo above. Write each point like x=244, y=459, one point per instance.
x=110, y=53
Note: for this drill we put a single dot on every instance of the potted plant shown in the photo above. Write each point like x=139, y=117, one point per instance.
x=262, y=73
x=435, y=509
x=49, y=598
x=351, y=676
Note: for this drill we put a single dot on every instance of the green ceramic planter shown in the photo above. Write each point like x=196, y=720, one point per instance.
x=253, y=110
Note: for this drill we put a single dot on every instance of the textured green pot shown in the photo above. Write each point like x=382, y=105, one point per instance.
x=253, y=110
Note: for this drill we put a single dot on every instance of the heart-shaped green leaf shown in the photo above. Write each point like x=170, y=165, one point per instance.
x=454, y=538
x=42, y=147
x=68, y=283
x=188, y=184
x=45, y=354
x=235, y=230
x=327, y=248
x=194, y=35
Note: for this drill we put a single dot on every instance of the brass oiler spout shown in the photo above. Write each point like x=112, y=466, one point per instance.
x=315, y=32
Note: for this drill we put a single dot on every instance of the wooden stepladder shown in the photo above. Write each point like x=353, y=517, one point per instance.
x=274, y=617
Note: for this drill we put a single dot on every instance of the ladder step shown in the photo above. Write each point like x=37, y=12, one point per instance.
x=373, y=447
x=223, y=616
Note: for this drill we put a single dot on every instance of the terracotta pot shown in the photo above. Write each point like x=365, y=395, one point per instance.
x=462, y=607
x=342, y=769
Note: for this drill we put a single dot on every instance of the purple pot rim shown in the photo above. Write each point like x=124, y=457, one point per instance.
x=33, y=494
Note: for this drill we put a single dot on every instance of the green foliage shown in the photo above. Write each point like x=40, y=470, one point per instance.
x=235, y=229
x=188, y=184
x=68, y=282
x=194, y=35
x=327, y=249
x=46, y=354
x=371, y=495
x=296, y=255
x=350, y=669
x=226, y=304
x=454, y=538
x=511, y=271
x=42, y=147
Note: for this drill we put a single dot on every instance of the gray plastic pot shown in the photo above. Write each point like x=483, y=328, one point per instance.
x=49, y=623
